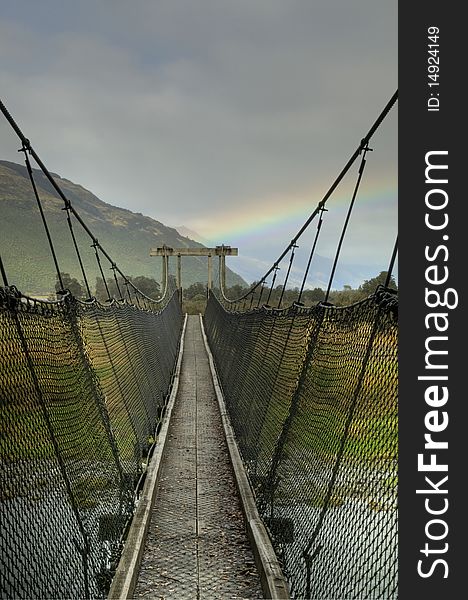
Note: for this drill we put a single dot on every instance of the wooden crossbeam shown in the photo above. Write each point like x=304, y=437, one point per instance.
x=221, y=251
x=217, y=251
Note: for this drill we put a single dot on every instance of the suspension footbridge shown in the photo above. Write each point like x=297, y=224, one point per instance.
x=249, y=453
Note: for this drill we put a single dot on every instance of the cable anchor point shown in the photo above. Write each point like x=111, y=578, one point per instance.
x=26, y=146
x=365, y=146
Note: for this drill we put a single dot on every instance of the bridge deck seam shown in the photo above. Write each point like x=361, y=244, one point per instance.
x=197, y=545
x=274, y=584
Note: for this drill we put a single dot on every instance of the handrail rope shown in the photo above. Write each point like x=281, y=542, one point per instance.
x=24, y=149
x=364, y=142
x=26, y=143
x=348, y=216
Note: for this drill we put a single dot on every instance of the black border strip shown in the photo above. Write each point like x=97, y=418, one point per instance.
x=439, y=130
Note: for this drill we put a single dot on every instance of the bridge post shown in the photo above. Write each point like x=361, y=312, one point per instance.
x=165, y=260
x=179, y=271
x=210, y=272
x=223, y=271
x=221, y=251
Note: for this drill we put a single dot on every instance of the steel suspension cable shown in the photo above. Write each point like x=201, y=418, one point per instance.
x=312, y=252
x=25, y=149
x=4, y=275
x=26, y=143
x=98, y=260
x=364, y=142
x=116, y=281
x=392, y=263
x=261, y=293
x=291, y=260
x=77, y=250
x=348, y=216
x=128, y=292
x=276, y=268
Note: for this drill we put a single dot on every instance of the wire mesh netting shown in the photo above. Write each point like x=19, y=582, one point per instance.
x=312, y=396
x=83, y=387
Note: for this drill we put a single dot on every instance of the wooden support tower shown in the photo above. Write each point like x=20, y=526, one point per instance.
x=221, y=251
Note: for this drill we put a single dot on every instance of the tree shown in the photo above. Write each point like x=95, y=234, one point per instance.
x=312, y=296
x=346, y=296
x=370, y=285
x=171, y=282
x=147, y=285
x=101, y=292
x=236, y=291
x=70, y=283
x=195, y=289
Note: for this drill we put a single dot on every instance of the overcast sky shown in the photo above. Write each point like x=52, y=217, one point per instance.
x=230, y=117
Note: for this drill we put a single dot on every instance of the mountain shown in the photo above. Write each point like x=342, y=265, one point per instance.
x=126, y=236
x=193, y=235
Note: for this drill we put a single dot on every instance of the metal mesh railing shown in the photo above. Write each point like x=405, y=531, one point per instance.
x=82, y=387
x=312, y=397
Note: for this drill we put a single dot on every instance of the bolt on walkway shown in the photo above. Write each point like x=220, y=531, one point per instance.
x=197, y=546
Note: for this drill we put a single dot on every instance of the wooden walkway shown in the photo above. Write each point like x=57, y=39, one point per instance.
x=197, y=545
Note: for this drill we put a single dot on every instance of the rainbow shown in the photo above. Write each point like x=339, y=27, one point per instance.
x=259, y=218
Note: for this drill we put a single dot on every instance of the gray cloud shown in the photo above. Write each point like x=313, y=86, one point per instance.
x=179, y=109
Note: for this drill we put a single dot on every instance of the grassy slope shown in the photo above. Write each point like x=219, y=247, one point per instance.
x=125, y=235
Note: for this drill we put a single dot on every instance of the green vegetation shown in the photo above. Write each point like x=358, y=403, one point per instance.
x=195, y=290
x=195, y=306
x=126, y=236
x=86, y=490
x=195, y=295
x=72, y=284
x=147, y=285
x=194, y=298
